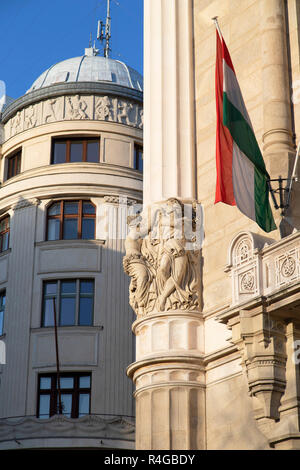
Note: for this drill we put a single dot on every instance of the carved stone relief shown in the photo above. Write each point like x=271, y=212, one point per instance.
x=100, y=108
x=164, y=273
x=287, y=267
x=77, y=107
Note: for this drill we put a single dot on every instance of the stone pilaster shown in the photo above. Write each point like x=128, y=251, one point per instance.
x=163, y=261
x=162, y=257
x=278, y=140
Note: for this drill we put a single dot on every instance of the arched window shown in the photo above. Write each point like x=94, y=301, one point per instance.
x=71, y=220
x=4, y=233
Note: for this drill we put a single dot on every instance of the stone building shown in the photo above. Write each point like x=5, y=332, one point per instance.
x=217, y=327
x=71, y=161
x=217, y=324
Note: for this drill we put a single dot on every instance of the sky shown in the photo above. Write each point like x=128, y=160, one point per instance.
x=35, y=34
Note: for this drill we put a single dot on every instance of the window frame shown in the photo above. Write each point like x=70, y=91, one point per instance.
x=62, y=216
x=53, y=392
x=2, y=310
x=3, y=232
x=58, y=296
x=16, y=158
x=68, y=141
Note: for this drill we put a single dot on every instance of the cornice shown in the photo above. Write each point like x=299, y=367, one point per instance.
x=61, y=89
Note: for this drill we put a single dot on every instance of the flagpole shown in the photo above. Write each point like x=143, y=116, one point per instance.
x=215, y=20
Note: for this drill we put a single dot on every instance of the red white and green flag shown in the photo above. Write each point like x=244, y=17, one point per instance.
x=241, y=172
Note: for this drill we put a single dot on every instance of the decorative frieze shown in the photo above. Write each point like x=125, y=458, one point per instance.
x=76, y=107
x=89, y=427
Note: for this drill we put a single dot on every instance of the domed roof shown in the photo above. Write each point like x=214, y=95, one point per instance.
x=90, y=68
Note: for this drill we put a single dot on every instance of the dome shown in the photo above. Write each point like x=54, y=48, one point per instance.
x=90, y=68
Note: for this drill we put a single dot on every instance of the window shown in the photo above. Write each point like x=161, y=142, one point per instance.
x=71, y=220
x=14, y=165
x=75, y=391
x=138, y=157
x=4, y=233
x=2, y=309
x=75, y=150
x=74, y=301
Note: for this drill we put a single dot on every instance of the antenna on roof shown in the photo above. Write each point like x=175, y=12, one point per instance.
x=104, y=31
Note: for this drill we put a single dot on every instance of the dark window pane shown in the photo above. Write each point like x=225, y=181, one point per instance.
x=92, y=152
x=53, y=229
x=71, y=208
x=76, y=152
x=88, y=229
x=66, y=399
x=48, y=316
x=88, y=208
x=84, y=404
x=68, y=287
x=86, y=310
x=5, y=241
x=50, y=288
x=54, y=209
x=1, y=322
x=70, y=231
x=44, y=408
x=59, y=152
x=85, y=381
x=45, y=383
x=66, y=382
x=67, y=311
x=86, y=287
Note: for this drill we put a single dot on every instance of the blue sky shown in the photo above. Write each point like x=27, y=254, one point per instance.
x=35, y=34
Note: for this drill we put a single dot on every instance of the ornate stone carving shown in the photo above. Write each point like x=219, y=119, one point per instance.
x=22, y=203
x=247, y=282
x=288, y=267
x=124, y=109
x=102, y=108
x=163, y=270
x=76, y=107
x=16, y=124
x=30, y=117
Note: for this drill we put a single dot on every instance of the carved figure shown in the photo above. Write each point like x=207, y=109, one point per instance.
x=15, y=124
x=30, y=117
x=164, y=274
x=77, y=108
x=103, y=109
x=50, y=113
x=124, y=109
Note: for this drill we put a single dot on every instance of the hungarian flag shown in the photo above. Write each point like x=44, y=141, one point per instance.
x=241, y=172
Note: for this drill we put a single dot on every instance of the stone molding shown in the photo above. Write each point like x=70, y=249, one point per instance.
x=23, y=203
x=76, y=107
x=91, y=426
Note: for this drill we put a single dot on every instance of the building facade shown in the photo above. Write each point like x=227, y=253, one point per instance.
x=71, y=167
x=216, y=363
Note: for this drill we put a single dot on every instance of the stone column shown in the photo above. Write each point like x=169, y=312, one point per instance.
x=162, y=257
x=278, y=144
x=278, y=135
